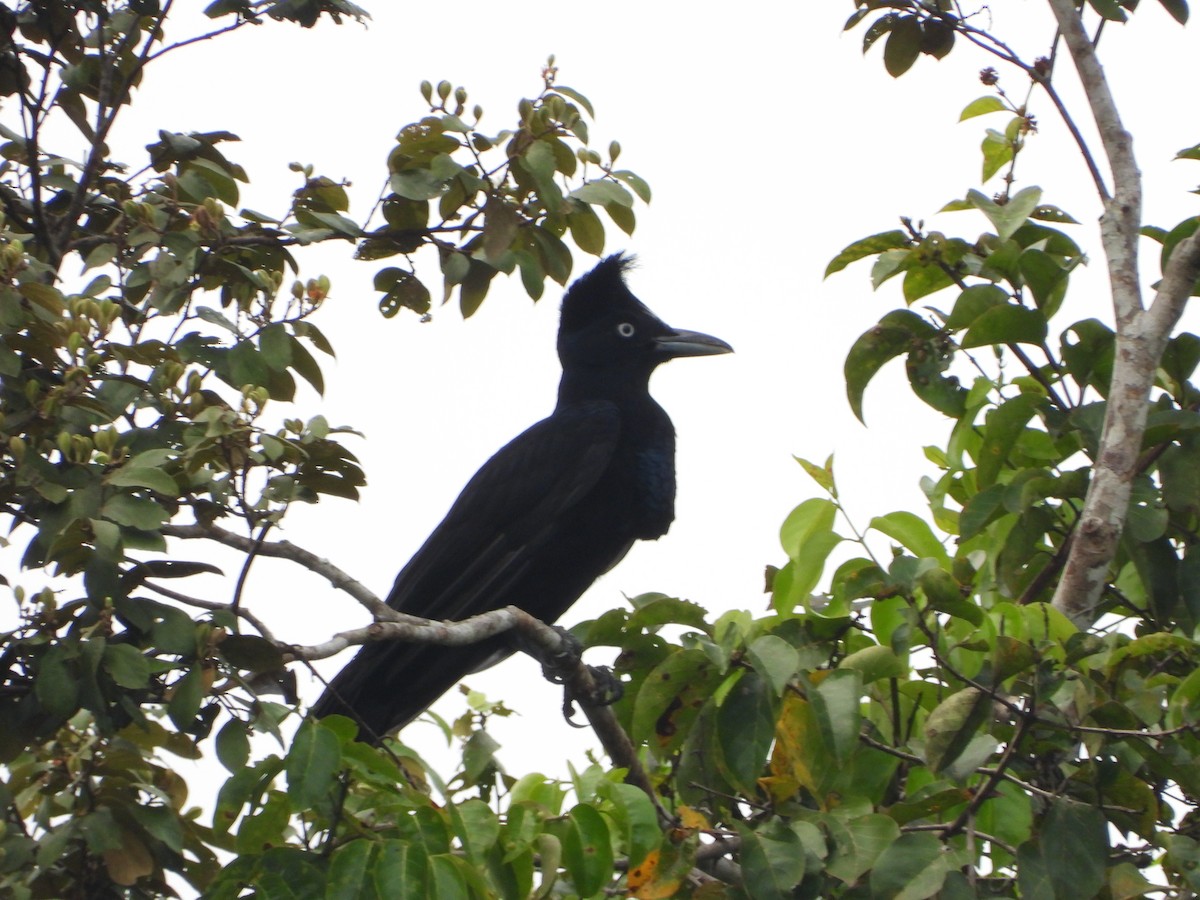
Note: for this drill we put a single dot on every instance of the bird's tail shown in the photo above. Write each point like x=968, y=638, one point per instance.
x=388, y=684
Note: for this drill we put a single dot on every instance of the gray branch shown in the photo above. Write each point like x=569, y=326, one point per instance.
x=309, y=560
x=1141, y=337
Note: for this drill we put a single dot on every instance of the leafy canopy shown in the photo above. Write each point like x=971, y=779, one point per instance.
x=930, y=723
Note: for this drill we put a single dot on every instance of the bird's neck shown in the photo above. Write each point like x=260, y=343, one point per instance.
x=624, y=386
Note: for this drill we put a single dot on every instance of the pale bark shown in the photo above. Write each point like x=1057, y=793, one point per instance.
x=1142, y=335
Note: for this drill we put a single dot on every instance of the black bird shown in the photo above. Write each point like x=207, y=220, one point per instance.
x=553, y=510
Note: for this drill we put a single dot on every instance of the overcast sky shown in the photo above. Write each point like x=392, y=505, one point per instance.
x=770, y=143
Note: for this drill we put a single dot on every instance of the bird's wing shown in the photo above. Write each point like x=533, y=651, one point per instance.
x=506, y=512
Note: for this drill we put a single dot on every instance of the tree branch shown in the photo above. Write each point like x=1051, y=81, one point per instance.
x=1141, y=337
x=300, y=556
x=214, y=605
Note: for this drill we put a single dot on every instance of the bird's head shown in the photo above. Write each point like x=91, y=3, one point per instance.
x=604, y=326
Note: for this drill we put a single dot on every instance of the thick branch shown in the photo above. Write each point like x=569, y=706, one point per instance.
x=1141, y=337
x=425, y=631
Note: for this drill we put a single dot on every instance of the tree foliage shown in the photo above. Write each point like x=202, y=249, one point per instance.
x=975, y=713
x=135, y=409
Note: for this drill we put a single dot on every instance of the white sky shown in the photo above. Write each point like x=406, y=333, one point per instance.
x=770, y=144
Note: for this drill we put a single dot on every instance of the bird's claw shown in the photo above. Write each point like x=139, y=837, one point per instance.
x=608, y=690
x=557, y=668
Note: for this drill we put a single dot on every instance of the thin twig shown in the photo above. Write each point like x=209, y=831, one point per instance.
x=287, y=550
x=214, y=605
x=236, y=604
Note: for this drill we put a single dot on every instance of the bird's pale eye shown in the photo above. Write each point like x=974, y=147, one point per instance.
x=626, y=329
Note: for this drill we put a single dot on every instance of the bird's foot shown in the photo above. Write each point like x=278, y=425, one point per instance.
x=558, y=668
x=607, y=690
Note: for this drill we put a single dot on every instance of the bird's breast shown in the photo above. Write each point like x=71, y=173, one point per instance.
x=655, y=468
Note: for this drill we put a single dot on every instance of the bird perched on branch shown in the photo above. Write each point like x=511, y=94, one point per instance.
x=554, y=509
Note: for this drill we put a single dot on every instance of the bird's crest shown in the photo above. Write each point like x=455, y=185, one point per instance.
x=598, y=292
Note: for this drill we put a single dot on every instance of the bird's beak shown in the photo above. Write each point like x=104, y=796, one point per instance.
x=690, y=343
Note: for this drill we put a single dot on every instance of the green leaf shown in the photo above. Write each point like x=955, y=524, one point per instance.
x=1108, y=9
x=57, y=687
x=808, y=538
x=913, y=533
x=771, y=866
x=1012, y=215
x=868, y=246
x=417, y=184
x=275, y=345
x=251, y=652
x=501, y=221
x=912, y=868
x=822, y=475
x=671, y=697
x=997, y=152
x=745, y=731
x=903, y=46
x=1003, y=426
x=1073, y=842
x=127, y=666
x=982, y=107
x=890, y=263
x=1183, y=230
x=587, y=850
x=603, y=193
x=1177, y=8
x=233, y=746
x=973, y=302
x=923, y=280
x=1008, y=324
x=586, y=229
x=350, y=870
x=1048, y=213
x=187, y=695
x=623, y=217
x=980, y=510
x=859, y=844
x=877, y=29
x=474, y=287
x=894, y=334
x=875, y=662
x=1047, y=280
x=217, y=318
x=937, y=37
x=247, y=366
x=953, y=724
x=312, y=765
x=403, y=290
x=945, y=595
x=576, y=96
x=305, y=365
x=134, y=476
x=835, y=703
x=635, y=815
x=775, y=659
x=925, y=366
x=136, y=512
x=477, y=827
x=555, y=256
x=635, y=182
